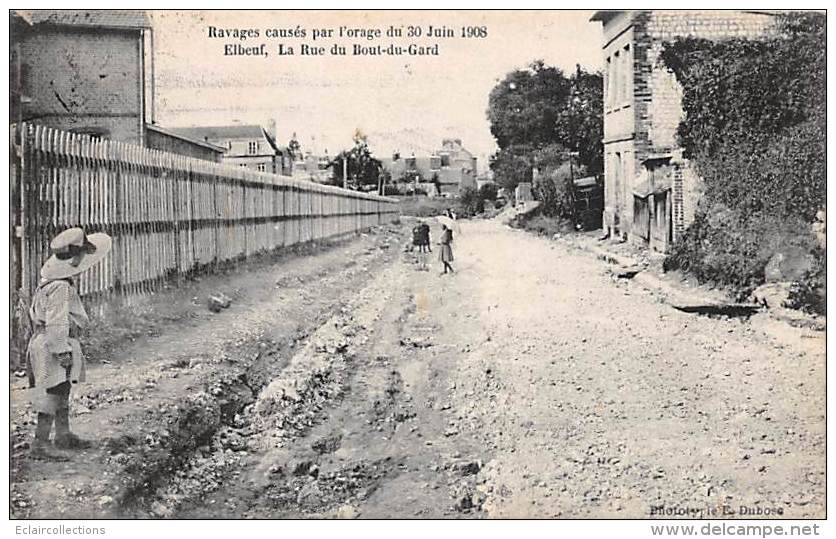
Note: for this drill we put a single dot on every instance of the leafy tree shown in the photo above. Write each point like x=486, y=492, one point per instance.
x=511, y=166
x=523, y=109
x=362, y=167
x=538, y=115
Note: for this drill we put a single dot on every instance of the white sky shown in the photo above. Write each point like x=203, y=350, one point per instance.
x=404, y=103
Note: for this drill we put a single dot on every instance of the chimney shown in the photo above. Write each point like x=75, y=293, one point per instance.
x=272, y=129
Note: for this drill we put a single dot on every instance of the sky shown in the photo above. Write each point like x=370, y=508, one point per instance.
x=403, y=103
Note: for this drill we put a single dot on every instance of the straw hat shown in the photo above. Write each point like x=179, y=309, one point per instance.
x=74, y=252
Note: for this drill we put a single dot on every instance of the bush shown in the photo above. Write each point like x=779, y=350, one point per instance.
x=489, y=191
x=554, y=197
x=758, y=151
x=809, y=293
x=725, y=247
x=470, y=203
x=423, y=206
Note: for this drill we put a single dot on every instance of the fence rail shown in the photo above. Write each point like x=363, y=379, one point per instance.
x=168, y=214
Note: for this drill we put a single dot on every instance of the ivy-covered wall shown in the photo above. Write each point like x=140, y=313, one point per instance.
x=754, y=129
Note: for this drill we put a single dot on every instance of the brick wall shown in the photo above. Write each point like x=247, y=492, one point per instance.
x=664, y=108
x=79, y=79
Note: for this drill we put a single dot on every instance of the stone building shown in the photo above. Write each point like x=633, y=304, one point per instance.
x=650, y=191
x=249, y=146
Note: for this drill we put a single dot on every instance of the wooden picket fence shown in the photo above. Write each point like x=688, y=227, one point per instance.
x=169, y=215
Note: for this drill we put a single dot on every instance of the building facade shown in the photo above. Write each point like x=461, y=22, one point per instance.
x=83, y=71
x=650, y=192
x=249, y=146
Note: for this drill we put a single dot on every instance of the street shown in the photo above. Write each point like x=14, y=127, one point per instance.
x=530, y=383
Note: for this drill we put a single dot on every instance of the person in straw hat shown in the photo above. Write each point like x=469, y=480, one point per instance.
x=53, y=359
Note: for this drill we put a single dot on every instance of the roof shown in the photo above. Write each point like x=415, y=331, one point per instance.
x=198, y=142
x=604, y=16
x=220, y=132
x=100, y=18
x=227, y=132
x=647, y=188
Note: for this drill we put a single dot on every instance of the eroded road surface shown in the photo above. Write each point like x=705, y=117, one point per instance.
x=530, y=383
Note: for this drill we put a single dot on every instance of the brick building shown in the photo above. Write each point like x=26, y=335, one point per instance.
x=249, y=146
x=87, y=71
x=650, y=191
x=90, y=72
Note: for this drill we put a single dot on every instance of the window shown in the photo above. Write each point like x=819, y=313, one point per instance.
x=608, y=83
x=436, y=162
x=615, y=90
x=252, y=147
x=262, y=167
x=618, y=177
x=410, y=163
x=445, y=160
x=242, y=165
x=626, y=71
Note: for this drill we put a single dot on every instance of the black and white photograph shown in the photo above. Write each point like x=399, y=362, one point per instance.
x=433, y=264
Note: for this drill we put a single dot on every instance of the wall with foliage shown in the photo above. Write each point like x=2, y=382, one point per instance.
x=754, y=128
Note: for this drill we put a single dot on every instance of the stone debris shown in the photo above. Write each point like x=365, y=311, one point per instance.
x=218, y=302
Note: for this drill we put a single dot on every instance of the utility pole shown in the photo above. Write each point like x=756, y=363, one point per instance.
x=574, y=100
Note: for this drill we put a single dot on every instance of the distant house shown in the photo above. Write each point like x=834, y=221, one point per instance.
x=249, y=146
x=314, y=168
x=84, y=71
x=650, y=193
x=452, y=165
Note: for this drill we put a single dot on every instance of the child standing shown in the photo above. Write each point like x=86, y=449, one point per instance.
x=446, y=253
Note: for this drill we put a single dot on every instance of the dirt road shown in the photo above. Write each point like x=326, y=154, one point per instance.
x=528, y=384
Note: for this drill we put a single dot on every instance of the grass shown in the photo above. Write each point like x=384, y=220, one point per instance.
x=541, y=225
x=423, y=206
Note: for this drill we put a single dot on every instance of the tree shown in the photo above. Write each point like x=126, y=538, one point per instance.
x=363, y=168
x=540, y=106
x=488, y=191
x=523, y=109
x=294, y=148
x=511, y=166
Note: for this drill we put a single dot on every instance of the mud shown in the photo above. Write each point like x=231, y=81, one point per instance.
x=545, y=390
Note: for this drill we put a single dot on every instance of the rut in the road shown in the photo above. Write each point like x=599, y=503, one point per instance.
x=280, y=409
